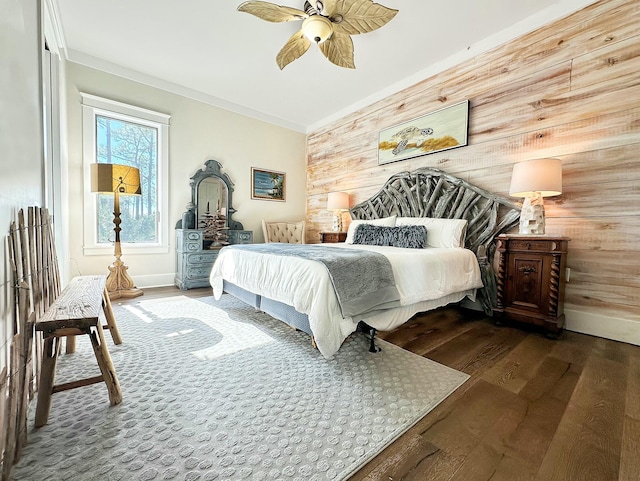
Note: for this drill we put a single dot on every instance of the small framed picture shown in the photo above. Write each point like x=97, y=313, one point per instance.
x=268, y=184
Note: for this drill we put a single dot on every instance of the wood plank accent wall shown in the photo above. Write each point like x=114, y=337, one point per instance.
x=569, y=90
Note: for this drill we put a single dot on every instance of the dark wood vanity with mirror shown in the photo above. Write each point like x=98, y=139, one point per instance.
x=197, y=247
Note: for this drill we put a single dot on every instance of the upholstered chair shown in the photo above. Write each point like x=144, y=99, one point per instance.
x=286, y=232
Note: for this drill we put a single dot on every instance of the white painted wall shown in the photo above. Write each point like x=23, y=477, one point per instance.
x=198, y=132
x=21, y=176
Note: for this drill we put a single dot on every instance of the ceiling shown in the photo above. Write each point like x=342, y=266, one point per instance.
x=208, y=51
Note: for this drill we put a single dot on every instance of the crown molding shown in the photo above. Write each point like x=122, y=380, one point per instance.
x=52, y=26
x=120, y=71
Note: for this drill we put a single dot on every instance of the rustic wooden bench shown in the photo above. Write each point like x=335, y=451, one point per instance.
x=76, y=311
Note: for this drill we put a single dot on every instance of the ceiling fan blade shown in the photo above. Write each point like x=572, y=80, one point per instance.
x=339, y=50
x=272, y=12
x=295, y=47
x=362, y=16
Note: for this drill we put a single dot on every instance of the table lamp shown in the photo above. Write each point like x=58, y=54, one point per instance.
x=534, y=180
x=117, y=180
x=337, y=202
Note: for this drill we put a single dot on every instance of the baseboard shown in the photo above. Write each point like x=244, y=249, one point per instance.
x=616, y=329
x=154, y=280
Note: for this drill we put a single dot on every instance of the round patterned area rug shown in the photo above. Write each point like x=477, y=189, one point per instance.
x=213, y=390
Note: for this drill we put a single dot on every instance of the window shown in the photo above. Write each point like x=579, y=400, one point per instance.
x=117, y=133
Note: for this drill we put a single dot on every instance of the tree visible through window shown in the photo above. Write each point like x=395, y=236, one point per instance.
x=118, y=133
x=128, y=143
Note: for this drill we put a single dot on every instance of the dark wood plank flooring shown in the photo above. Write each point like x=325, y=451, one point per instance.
x=535, y=409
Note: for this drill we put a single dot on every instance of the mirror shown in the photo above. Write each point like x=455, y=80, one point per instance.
x=212, y=190
x=211, y=198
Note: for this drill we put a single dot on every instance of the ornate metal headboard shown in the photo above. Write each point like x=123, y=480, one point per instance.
x=428, y=192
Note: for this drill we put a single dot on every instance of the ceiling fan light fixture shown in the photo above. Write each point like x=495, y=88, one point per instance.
x=317, y=28
x=327, y=23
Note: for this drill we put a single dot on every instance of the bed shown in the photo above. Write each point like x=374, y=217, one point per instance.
x=311, y=291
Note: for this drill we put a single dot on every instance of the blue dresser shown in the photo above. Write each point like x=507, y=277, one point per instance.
x=194, y=258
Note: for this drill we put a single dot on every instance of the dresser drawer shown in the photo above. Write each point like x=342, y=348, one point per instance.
x=240, y=236
x=198, y=271
x=332, y=237
x=533, y=245
x=193, y=236
x=192, y=246
x=207, y=258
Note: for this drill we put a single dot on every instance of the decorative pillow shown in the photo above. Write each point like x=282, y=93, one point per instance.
x=442, y=232
x=386, y=221
x=409, y=236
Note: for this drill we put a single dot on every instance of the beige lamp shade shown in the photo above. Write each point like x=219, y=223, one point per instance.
x=109, y=178
x=337, y=201
x=536, y=177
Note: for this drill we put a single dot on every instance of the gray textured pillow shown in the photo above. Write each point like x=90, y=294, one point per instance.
x=410, y=236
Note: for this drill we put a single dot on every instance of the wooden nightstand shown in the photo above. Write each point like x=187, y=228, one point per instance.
x=332, y=237
x=531, y=278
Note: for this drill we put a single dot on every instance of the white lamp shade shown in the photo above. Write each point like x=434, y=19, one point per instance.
x=338, y=201
x=317, y=28
x=539, y=176
x=107, y=178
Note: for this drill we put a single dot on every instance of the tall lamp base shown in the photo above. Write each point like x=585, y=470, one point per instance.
x=337, y=222
x=532, y=216
x=119, y=283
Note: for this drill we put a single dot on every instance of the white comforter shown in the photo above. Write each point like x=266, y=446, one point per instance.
x=426, y=278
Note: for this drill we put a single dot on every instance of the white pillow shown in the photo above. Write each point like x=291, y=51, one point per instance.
x=440, y=232
x=385, y=221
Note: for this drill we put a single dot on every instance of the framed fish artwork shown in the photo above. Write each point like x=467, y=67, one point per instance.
x=443, y=129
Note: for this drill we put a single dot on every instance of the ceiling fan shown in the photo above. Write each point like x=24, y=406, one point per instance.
x=328, y=23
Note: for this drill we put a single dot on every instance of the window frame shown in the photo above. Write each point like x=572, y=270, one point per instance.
x=93, y=106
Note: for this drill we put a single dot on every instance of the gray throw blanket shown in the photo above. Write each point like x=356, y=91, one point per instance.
x=363, y=280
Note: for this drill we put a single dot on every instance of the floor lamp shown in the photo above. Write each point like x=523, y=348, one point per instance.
x=117, y=180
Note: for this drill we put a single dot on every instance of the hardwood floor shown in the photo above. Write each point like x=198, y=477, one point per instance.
x=534, y=409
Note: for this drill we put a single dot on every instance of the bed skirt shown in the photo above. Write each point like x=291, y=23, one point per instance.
x=275, y=309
